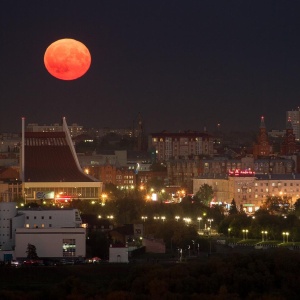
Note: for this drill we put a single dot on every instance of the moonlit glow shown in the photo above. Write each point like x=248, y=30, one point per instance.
x=67, y=59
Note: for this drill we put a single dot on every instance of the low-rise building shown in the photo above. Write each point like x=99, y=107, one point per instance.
x=56, y=233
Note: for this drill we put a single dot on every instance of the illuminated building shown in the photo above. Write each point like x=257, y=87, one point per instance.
x=248, y=189
x=50, y=169
x=180, y=145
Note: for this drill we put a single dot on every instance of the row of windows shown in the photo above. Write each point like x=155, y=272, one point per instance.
x=262, y=190
x=42, y=217
x=36, y=226
x=276, y=184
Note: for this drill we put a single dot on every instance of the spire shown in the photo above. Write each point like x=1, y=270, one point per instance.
x=262, y=122
x=289, y=123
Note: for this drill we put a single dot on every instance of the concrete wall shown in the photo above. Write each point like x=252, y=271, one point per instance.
x=49, y=242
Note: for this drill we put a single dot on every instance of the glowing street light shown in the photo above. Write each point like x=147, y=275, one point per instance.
x=163, y=218
x=144, y=218
x=229, y=229
x=264, y=235
x=285, y=234
x=187, y=220
x=104, y=197
x=245, y=234
x=177, y=218
x=210, y=220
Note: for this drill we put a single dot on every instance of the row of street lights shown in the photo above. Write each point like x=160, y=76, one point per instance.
x=187, y=220
x=264, y=235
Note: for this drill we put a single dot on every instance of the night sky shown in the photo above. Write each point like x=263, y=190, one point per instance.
x=183, y=65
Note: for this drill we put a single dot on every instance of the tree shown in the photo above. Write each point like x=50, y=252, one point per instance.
x=31, y=252
x=205, y=194
x=233, y=209
x=277, y=204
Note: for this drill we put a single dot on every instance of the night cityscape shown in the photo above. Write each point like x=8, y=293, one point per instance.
x=149, y=150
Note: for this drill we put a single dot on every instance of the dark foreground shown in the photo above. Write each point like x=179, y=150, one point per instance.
x=255, y=275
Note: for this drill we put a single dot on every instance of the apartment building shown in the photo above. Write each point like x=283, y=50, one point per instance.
x=180, y=145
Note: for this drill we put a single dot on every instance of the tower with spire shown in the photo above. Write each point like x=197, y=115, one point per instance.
x=262, y=147
x=288, y=145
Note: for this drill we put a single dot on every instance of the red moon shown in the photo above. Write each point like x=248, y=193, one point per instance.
x=67, y=59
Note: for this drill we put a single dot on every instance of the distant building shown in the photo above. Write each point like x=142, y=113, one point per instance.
x=294, y=117
x=180, y=145
x=250, y=190
x=74, y=129
x=288, y=145
x=262, y=147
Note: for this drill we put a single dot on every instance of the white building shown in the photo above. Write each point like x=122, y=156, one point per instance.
x=56, y=233
x=118, y=254
x=51, y=218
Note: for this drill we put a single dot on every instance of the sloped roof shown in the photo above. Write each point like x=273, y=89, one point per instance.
x=48, y=158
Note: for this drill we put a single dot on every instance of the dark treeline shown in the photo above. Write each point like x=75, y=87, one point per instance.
x=258, y=275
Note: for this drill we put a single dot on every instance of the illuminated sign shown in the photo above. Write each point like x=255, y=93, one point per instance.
x=39, y=195
x=240, y=173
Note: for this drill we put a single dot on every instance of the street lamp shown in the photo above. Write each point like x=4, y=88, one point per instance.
x=163, y=218
x=229, y=229
x=285, y=234
x=243, y=233
x=187, y=220
x=199, y=219
x=264, y=235
x=177, y=218
x=144, y=218
x=210, y=220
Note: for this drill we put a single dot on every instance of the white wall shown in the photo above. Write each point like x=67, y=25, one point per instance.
x=57, y=218
x=49, y=242
x=118, y=254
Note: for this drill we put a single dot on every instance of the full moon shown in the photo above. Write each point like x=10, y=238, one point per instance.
x=67, y=59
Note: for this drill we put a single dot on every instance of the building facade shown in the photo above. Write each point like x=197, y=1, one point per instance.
x=180, y=145
x=250, y=190
x=56, y=233
x=262, y=147
x=74, y=129
x=294, y=117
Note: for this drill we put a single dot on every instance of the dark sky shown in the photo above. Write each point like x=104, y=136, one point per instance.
x=182, y=64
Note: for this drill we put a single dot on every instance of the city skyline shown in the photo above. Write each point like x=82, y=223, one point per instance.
x=182, y=66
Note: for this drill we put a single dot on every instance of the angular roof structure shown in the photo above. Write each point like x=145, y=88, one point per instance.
x=50, y=157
